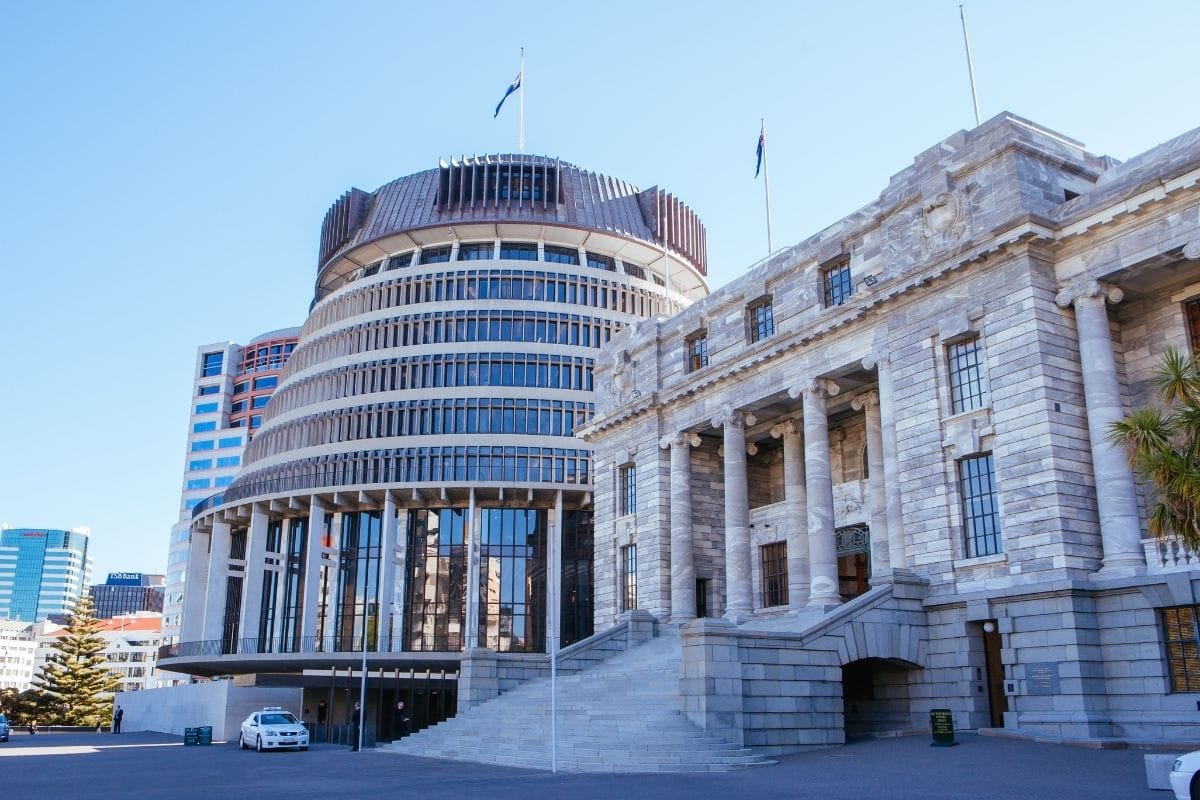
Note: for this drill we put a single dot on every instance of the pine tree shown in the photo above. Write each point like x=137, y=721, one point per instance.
x=73, y=681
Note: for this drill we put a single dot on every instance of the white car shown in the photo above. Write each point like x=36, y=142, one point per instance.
x=272, y=729
x=1184, y=780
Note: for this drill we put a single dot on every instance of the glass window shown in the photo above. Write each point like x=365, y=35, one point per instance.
x=203, y=444
x=628, y=494
x=229, y=461
x=512, y=576
x=761, y=320
x=561, y=255
x=518, y=251
x=204, y=427
x=774, y=574
x=260, y=401
x=981, y=514
x=1193, y=320
x=836, y=283
x=199, y=483
x=269, y=382
x=697, y=351
x=238, y=407
x=223, y=481
x=210, y=364
x=256, y=421
x=241, y=388
x=435, y=255
x=967, y=388
x=475, y=251
x=435, y=593
x=200, y=463
x=237, y=423
x=634, y=270
x=207, y=390
x=401, y=260
x=629, y=577
x=598, y=261
x=1181, y=635
x=206, y=408
x=232, y=441
x=190, y=504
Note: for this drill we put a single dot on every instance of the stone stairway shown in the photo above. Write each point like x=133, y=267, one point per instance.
x=621, y=715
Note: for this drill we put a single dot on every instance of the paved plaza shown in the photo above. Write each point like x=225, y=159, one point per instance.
x=106, y=767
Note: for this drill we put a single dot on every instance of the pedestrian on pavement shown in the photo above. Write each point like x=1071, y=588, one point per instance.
x=118, y=715
x=400, y=721
x=354, y=727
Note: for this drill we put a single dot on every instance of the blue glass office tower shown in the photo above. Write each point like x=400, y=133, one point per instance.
x=42, y=571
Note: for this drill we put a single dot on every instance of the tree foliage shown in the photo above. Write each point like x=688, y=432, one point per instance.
x=1163, y=446
x=75, y=686
x=21, y=708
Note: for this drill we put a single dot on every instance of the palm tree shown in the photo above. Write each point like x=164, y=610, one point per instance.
x=1163, y=446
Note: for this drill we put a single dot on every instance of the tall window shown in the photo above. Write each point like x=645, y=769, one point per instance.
x=519, y=251
x=697, y=351
x=477, y=251
x=981, y=514
x=628, y=499
x=1193, y=320
x=761, y=320
x=560, y=255
x=435, y=255
x=577, y=597
x=1181, y=635
x=293, y=583
x=231, y=621
x=356, y=611
x=774, y=574
x=968, y=390
x=512, y=580
x=211, y=364
x=435, y=612
x=836, y=283
x=629, y=577
x=597, y=261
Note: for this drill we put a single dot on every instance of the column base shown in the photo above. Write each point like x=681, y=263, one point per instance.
x=1121, y=568
x=824, y=601
x=739, y=617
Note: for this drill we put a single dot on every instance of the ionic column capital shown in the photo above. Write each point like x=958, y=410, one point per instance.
x=865, y=400
x=786, y=428
x=682, y=439
x=818, y=386
x=879, y=357
x=731, y=417
x=1079, y=290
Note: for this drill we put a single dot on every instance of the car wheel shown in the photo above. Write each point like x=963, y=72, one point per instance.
x=1195, y=793
x=242, y=741
x=258, y=743
x=303, y=749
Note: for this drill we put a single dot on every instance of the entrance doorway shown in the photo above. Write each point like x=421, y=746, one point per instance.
x=875, y=697
x=853, y=558
x=994, y=670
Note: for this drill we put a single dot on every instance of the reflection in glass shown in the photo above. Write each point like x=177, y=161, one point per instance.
x=435, y=612
x=512, y=580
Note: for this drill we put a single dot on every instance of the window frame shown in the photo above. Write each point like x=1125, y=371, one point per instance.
x=626, y=490
x=1181, y=651
x=760, y=326
x=628, y=570
x=836, y=294
x=696, y=359
x=773, y=564
x=977, y=488
x=967, y=378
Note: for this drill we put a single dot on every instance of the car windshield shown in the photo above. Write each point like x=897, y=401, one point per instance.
x=278, y=719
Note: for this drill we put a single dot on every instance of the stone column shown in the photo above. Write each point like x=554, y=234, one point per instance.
x=191, y=626
x=388, y=617
x=739, y=602
x=252, y=589
x=868, y=403
x=822, y=544
x=1116, y=497
x=881, y=360
x=795, y=496
x=471, y=540
x=312, y=575
x=683, y=571
x=218, y=572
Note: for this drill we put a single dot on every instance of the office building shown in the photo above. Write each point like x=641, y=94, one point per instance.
x=42, y=571
x=126, y=593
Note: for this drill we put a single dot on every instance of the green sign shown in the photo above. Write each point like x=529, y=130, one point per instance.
x=942, y=723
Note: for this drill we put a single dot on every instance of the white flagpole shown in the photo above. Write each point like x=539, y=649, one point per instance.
x=666, y=253
x=970, y=68
x=521, y=124
x=766, y=186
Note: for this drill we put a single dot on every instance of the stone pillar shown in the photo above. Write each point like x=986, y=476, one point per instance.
x=795, y=496
x=312, y=575
x=191, y=626
x=252, y=589
x=868, y=403
x=881, y=360
x=1116, y=496
x=822, y=542
x=683, y=571
x=401, y=589
x=471, y=540
x=710, y=678
x=218, y=571
x=554, y=566
x=739, y=602
x=388, y=616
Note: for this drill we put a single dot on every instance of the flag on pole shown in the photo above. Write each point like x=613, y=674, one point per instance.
x=516, y=84
x=762, y=146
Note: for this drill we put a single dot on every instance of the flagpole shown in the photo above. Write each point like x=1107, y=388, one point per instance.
x=666, y=254
x=766, y=186
x=521, y=123
x=970, y=68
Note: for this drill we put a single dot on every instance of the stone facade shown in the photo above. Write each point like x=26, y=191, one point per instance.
x=915, y=400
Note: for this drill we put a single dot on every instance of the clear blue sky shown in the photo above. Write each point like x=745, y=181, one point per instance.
x=165, y=167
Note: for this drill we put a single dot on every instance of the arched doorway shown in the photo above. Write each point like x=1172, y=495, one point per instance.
x=875, y=697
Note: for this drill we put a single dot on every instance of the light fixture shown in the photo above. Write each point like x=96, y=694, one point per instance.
x=870, y=280
x=989, y=627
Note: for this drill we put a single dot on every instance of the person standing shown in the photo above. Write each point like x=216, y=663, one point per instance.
x=400, y=721
x=322, y=709
x=118, y=715
x=354, y=727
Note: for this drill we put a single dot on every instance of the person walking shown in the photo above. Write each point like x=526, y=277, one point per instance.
x=118, y=715
x=322, y=710
x=354, y=727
